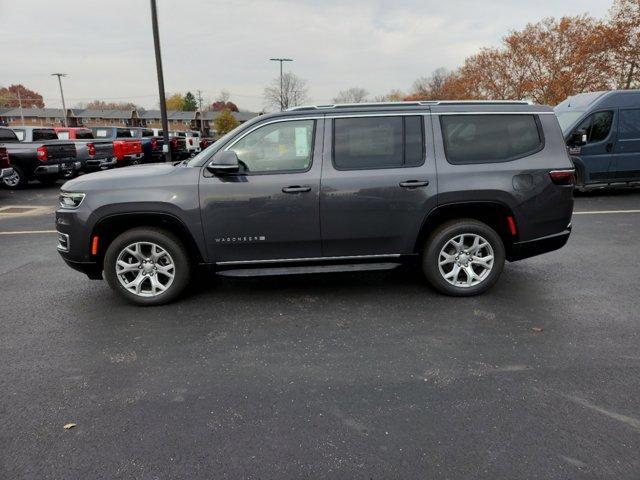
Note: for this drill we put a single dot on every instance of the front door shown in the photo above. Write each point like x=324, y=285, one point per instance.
x=269, y=210
x=625, y=166
x=596, y=155
x=378, y=182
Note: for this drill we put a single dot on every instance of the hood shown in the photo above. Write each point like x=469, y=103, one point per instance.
x=117, y=178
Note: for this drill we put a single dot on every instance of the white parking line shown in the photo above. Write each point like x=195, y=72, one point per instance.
x=605, y=212
x=25, y=232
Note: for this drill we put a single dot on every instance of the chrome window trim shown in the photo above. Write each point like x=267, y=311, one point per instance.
x=309, y=259
x=264, y=124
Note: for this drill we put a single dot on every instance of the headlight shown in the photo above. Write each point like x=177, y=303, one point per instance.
x=70, y=200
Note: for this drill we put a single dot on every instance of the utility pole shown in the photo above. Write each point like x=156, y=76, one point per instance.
x=281, y=92
x=201, y=113
x=163, y=106
x=20, y=103
x=64, y=107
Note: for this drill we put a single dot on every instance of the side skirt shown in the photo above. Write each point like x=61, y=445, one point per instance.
x=307, y=269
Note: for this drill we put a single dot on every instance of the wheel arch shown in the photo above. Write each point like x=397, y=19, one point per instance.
x=110, y=226
x=494, y=213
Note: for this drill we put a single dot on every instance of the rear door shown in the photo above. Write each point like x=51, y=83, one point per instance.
x=625, y=165
x=378, y=183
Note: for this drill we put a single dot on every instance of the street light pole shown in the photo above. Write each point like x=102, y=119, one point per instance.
x=64, y=107
x=163, y=106
x=281, y=86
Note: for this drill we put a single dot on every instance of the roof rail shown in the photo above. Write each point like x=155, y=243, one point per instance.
x=413, y=103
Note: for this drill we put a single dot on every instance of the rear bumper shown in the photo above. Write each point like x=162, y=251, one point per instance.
x=58, y=167
x=538, y=246
x=6, y=172
x=100, y=163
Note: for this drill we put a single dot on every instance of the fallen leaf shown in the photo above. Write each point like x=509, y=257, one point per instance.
x=536, y=329
x=69, y=426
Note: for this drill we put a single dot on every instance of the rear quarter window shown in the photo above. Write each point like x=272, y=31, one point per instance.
x=44, y=134
x=490, y=138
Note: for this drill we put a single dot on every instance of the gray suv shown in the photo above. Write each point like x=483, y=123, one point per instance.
x=456, y=187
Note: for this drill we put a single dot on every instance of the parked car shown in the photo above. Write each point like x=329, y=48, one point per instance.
x=178, y=145
x=455, y=187
x=192, y=140
x=602, y=131
x=151, y=144
x=5, y=166
x=93, y=153
x=36, y=154
x=127, y=150
x=206, y=141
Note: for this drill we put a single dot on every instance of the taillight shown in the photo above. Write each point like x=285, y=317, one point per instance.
x=117, y=150
x=174, y=142
x=42, y=154
x=4, y=158
x=154, y=144
x=92, y=149
x=562, y=177
x=191, y=141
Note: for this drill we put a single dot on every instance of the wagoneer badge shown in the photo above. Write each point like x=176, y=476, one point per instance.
x=242, y=239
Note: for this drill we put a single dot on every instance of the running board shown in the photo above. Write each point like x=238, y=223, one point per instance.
x=270, y=271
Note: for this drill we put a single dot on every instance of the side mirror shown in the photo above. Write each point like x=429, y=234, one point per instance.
x=578, y=138
x=224, y=162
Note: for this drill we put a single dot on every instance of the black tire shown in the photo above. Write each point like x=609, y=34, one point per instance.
x=163, y=239
x=15, y=183
x=69, y=174
x=448, y=231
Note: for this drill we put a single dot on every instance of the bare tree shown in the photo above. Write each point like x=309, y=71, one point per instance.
x=224, y=96
x=294, y=92
x=352, y=95
x=392, y=96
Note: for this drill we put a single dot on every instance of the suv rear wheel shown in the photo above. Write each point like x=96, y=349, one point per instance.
x=463, y=257
x=147, y=266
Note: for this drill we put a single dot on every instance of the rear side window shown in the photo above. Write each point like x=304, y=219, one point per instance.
x=378, y=142
x=123, y=132
x=147, y=133
x=597, y=126
x=629, y=124
x=84, y=134
x=44, y=134
x=490, y=138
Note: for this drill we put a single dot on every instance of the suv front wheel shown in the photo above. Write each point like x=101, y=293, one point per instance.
x=147, y=266
x=463, y=257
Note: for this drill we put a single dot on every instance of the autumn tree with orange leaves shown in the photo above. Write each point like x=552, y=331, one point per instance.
x=548, y=61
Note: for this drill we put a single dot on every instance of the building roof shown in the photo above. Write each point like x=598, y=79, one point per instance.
x=103, y=113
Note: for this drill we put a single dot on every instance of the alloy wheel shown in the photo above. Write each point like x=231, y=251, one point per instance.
x=466, y=260
x=145, y=269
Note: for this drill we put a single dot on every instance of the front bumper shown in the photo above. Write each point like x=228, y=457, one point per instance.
x=90, y=269
x=538, y=246
x=6, y=172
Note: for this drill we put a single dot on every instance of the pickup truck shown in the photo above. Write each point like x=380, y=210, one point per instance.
x=151, y=145
x=178, y=145
x=127, y=150
x=94, y=154
x=192, y=140
x=36, y=154
x=5, y=166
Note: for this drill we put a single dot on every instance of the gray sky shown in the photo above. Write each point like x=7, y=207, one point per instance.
x=106, y=46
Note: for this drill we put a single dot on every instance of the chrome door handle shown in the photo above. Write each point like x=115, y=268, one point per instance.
x=296, y=189
x=414, y=183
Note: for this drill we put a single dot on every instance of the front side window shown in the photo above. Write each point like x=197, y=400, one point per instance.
x=597, y=126
x=378, y=142
x=489, y=138
x=20, y=135
x=281, y=146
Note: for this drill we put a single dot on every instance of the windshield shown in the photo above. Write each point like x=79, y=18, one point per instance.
x=566, y=119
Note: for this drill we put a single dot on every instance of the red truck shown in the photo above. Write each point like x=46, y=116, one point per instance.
x=126, y=149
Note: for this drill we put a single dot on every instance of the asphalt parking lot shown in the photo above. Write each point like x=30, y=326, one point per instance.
x=336, y=376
